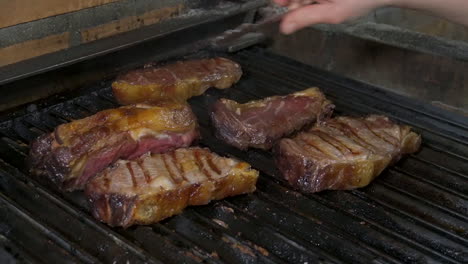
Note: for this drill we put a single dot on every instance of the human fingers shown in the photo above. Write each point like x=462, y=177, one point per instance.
x=308, y=15
x=295, y=4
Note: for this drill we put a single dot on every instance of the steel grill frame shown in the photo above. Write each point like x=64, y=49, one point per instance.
x=416, y=211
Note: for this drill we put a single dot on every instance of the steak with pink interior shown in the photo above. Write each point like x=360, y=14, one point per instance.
x=259, y=124
x=343, y=153
x=77, y=151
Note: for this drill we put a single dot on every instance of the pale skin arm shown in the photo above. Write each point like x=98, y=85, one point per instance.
x=338, y=11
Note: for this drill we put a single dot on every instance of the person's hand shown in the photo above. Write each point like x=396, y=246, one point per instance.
x=306, y=12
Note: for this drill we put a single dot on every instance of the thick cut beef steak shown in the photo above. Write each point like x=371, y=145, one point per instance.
x=259, y=124
x=343, y=153
x=158, y=186
x=77, y=151
x=177, y=81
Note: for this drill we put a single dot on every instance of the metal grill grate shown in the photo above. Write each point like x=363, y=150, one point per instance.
x=416, y=211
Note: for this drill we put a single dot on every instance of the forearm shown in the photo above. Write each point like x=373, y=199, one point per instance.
x=454, y=10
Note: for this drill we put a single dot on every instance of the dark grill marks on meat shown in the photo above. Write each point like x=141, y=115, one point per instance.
x=173, y=176
x=259, y=124
x=129, y=199
x=177, y=81
x=213, y=166
x=359, y=128
x=343, y=153
x=132, y=174
x=145, y=172
x=77, y=151
x=179, y=169
x=200, y=164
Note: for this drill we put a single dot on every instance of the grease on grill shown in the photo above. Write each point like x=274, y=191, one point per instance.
x=236, y=245
x=221, y=223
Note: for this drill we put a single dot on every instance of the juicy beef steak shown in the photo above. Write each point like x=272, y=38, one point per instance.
x=178, y=81
x=261, y=123
x=77, y=151
x=343, y=153
x=157, y=186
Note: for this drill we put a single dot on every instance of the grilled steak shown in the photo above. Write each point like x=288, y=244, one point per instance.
x=158, y=186
x=77, y=151
x=261, y=123
x=343, y=153
x=178, y=81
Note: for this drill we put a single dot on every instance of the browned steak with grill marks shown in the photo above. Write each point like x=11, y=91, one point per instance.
x=77, y=151
x=158, y=186
x=343, y=153
x=259, y=124
x=177, y=81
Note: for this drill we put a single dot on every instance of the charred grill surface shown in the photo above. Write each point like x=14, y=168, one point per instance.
x=75, y=152
x=343, y=153
x=261, y=123
x=177, y=81
x=158, y=186
x=416, y=211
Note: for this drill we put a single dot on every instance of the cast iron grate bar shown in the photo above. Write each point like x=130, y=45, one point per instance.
x=42, y=204
x=45, y=230
x=11, y=252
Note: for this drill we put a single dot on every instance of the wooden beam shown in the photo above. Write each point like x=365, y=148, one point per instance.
x=34, y=48
x=129, y=23
x=21, y=11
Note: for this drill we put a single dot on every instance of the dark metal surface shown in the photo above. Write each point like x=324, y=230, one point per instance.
x=415, y=212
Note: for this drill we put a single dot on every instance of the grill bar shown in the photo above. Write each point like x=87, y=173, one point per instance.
x=18, y=215
x=416, y=211
x=10, y=251
x=66, y=219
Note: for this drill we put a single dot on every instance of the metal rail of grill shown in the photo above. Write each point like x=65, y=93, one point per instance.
x=415, y=212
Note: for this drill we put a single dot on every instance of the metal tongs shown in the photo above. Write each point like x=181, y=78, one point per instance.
x=249, y=34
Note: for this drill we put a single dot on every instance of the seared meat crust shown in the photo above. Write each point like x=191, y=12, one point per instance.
x=259, y=124
x=158, y=186
x=77, y=151
x=343, y=153
x=177, y=82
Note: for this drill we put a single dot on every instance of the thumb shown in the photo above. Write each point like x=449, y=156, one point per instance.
x=305, y=16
